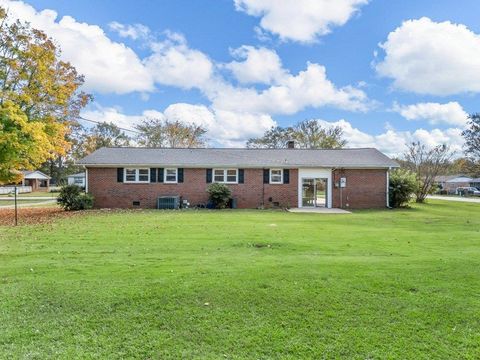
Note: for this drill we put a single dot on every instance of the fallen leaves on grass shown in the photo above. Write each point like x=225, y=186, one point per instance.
x=32, y=216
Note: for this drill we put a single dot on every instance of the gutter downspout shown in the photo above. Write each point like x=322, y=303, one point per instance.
x=332, y=185
x=86, y=180
x=388, y=188
x=263, y=190
x=340, y=187
x=334, y=178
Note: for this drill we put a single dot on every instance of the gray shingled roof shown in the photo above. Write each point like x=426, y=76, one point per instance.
x=34, y=174
x=248, y=158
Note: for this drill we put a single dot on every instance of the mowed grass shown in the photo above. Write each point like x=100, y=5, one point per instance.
x=401, y=284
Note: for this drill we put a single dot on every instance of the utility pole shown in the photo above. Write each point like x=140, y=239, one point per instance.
x=16, y=210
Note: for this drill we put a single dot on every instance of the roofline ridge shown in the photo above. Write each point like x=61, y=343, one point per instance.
x=230, y=148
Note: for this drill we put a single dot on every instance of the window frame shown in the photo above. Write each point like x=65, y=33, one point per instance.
x=125, y=175
x=147, y=174
x=225, y=176
x=165, y=171
x=137, y=176
x=276, y=182
x=78, y=180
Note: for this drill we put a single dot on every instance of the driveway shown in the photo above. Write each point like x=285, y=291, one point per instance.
x=455, y=198
x=25, y=198
x=29, y=204
x=319, y=210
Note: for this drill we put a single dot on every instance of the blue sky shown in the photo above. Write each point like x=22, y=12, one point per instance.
x=388, y=72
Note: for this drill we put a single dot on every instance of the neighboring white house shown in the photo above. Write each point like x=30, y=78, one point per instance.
x=76, y=179
x=36, y=179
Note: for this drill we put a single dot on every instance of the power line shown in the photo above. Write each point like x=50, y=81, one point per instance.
x=103, y=122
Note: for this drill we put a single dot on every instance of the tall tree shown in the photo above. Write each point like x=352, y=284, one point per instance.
x=84, y=141
x=464, y=166
x=472, y=143
x=59, y=167
x=275, y=138
x=310, y=134
x=307, y=134
x=101, y=135
x=472, y=136
x=39, y=95
x=162, y=133
x=426, y=164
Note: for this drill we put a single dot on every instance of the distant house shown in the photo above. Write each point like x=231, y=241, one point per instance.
x=475, y=183
x=76, y=179
x=36, y=179
x=451, y=183
x=137, y=177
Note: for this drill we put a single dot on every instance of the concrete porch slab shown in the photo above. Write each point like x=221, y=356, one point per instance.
x=319, y=211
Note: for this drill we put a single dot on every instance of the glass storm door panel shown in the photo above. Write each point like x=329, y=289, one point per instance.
x=308, y=192
x=314, y=192
x=321, y=192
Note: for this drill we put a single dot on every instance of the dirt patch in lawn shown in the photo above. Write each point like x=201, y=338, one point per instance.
x=260, y=245
x=29, y=216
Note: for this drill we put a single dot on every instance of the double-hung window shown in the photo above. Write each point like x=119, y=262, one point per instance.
x=171, y=176
x=276, y=176
x=137, y=175
x=228, y=176
x=131, y=175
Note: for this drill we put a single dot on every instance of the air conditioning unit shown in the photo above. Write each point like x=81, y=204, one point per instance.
x=168, y=202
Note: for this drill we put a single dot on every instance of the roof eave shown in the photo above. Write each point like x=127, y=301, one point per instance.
x=246, y=166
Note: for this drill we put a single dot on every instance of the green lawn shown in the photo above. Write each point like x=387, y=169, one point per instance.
x=244, y=285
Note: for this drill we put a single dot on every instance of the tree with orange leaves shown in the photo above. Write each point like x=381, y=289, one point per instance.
x=39, y=98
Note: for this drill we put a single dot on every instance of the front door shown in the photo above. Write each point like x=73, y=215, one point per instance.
x=314, y=192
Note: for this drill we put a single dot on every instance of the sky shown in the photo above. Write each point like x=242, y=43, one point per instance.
x=389, y=72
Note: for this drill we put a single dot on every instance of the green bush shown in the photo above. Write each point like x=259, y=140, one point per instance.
x=219, y=195
x=403, y=184
x=73, y=198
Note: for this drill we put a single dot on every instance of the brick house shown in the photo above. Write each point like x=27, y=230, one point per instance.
x=136, y=177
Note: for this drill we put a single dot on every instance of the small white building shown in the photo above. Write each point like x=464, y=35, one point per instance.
x=76, y=179
x=36, y=179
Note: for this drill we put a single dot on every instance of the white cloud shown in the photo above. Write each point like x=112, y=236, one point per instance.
x=112, y=67
x=258, y=65
x=134, y=31
x=290, y=94
x=108, y=66
x=450, y=113
x=225, y=128
x=233, y=129
x=116, y=116
x=235, y=113
x=300, y=20
x=394, y=143
x=174, y=63
x=427, y=57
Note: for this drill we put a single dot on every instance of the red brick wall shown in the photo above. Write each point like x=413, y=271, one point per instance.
x=108, y=193
x=364, y=189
